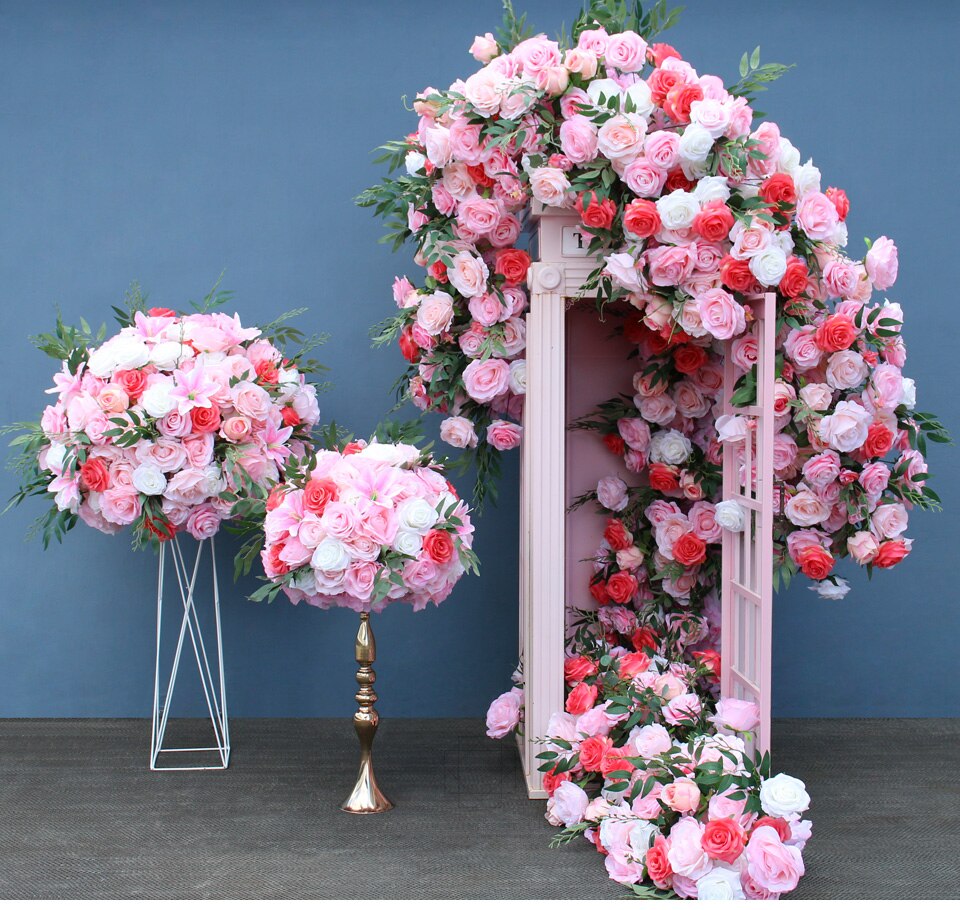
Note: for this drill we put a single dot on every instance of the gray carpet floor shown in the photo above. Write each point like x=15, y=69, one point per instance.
x=83, y=818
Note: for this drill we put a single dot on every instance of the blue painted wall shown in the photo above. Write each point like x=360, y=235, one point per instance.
x=166, y=141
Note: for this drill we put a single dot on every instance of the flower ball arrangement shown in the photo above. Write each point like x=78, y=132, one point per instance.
x=366, y=526
x=165, y=426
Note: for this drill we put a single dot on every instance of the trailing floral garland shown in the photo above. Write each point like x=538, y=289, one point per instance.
x=176, y=423
x=691, y=207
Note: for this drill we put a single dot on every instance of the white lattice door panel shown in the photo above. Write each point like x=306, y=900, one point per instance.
x=747, y=578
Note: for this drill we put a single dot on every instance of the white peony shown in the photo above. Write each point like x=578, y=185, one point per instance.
x=831, y=590
x=806, y=178
x=710, y=188
x=729, y=515
x=149, y=479
x=678, y=209
x=670, y=447
x=410, y=543
x=782, y=795
x=640, y=96
x=330, y=556
x=121, y=352
x=166, y=355
x=908, y=396
x=605, y=87
x=518, y=377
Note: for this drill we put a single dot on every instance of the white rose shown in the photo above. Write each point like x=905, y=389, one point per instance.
x=416, y=515
x=710, y=188
x=729, y=515
x=54, y=456
x=828, y=589
x=806, y=178
x=678, y=209
x=670, y=447
x=606, y=87
x=410, y=543
x=435, y=313
x=846, y=428
x=769, y=265
x=149, y=479
x=641, y=98
x=156, y=400
x=458, y=432
x=414, y=162
x=518, y=377
x=722, y=883
x=166, y=355
x=789, y=159
x=783, y=795
x=121, y=352
x=908, y=395
x=396, y=454
x=695, y=143
x=483, y=90
x=846, y=370
x=330, y=556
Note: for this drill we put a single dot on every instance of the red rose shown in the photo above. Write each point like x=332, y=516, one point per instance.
x=657, y=343
x=779, y=191
x=641, y=218
x=552, y=780
x=710, y=660
x=206, y=420
x=660, y=52
x=815, y=562
x=677, y=103
x=438, y=545
x=617, y=535
x=273, y=565
x=576, y=669
x=316, y=495
x=840, y=201
x=598, y=591
x=594, y=212
x=713, y=221
x=736, y=275
x=94, y=475
x=780, y=825
x=408, y=347
x=277, y=495
x=661, y=82
x=513, y=265
x=133, y=382
x=658, y=865
x=582, y=698
x=621, y=587
x=688, y=358
x=479, y=175
x=879, y=440
x=267, y=371
x=290, y=416
x=890, y=552
x=644, y=639
x=351, y=448
x=794, y=281
x=616, y=760
x=593, y=750
x=664, y=478
x=614, y=443
x=723, y=839
x=835, y=333
x=677, y=180
x=438, y=271
x=160, y=311
x=633, y=664
x=634, y=331
x=689, y=550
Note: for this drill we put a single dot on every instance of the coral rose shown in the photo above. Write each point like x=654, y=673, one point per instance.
x=723, y=839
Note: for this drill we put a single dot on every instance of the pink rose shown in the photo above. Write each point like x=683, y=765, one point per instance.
x=645, y=177
x=199, y=449
x=846, y=370
x=771, y=864
x=578, y=139
x=846, y=429
x=650, y=741
x=721, y=314
x=120, y=505
x=435, y=313
x=484, y=380
x=805, y=508
x=862, y=547
x=635, y=432
x=203, y=522
x=626, y=52
x=682, y=709
x=736, y=715
x=359, y=580
x=620, y=139
x=685, y=851
x=251, y=400
x=817, y=216
x=670, y=265
x=468, y=274
x=822, y=469
x=889, y=521
x=484, y=48
x=458, y=432
x=662, y=149
x=882, y=263
x=802, y=349
x=817, y=396
x=236, y=428
x=885, y=389
x=681, y=795
x=503, y=435
x=503, y=715
x=612, y=493
x=874, y=479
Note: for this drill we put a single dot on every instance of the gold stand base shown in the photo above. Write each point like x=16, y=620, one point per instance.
x=366, y=798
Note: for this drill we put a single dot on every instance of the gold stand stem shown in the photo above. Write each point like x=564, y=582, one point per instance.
x=366, y=797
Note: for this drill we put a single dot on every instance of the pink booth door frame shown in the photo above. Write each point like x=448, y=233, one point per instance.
x=747, y=574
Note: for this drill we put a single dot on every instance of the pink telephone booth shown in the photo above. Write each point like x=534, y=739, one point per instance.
x=574, y=360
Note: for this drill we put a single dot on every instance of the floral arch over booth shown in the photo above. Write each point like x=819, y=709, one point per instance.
x=692, y=213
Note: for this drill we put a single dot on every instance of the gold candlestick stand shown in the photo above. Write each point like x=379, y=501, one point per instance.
x=366, y=797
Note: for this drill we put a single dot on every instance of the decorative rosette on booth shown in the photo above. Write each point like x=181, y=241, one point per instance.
x=165, y=426
x=364, y=527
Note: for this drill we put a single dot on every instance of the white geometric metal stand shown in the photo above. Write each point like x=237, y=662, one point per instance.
x=211, y=680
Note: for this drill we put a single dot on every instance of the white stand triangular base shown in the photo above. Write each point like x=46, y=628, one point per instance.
x=214, y=694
